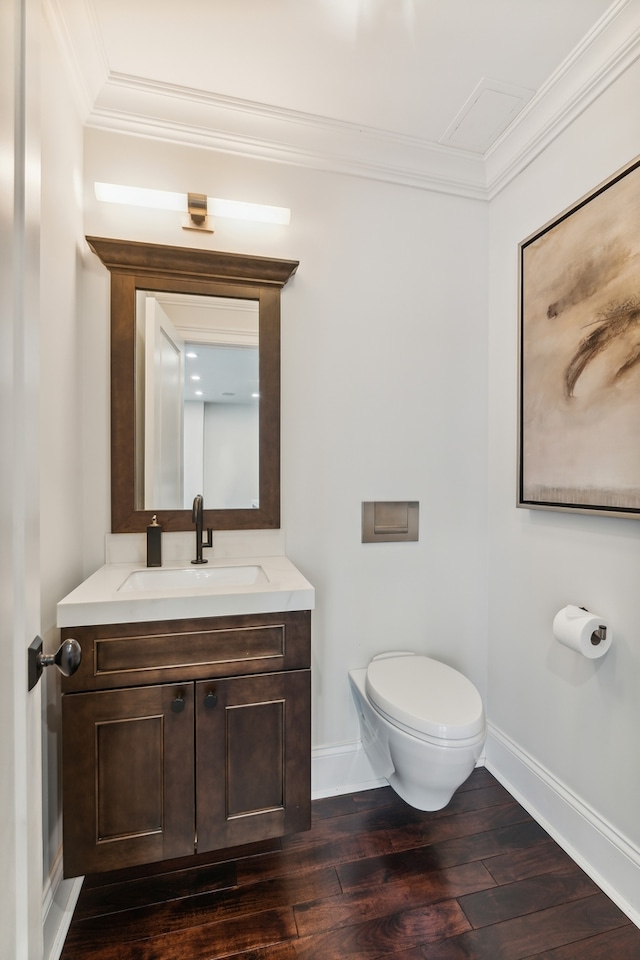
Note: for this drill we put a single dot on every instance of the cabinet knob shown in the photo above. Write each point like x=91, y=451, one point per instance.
x=210, y=700
x=177, y=705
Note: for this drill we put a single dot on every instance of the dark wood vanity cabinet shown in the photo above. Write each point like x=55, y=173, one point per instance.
x=183, y=737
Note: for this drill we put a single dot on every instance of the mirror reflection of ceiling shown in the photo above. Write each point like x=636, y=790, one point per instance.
x=403, y=73
x=225, y=374
x=221, y=346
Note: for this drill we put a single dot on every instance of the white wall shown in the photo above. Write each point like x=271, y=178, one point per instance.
x=231, y=455
x=574, y=722
x=194, y=462
x=384, y=364
x=62, y=467
x=20, y=714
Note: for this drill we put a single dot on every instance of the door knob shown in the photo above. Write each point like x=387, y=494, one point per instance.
x=210, y=700
x=66, y=658
x=177, y=705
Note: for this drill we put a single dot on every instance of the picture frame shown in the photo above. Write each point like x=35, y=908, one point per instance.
x=579, y=355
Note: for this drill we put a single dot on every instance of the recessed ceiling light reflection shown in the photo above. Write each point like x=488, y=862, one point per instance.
x=191, y=355
x=198, y=393
x=195, y=376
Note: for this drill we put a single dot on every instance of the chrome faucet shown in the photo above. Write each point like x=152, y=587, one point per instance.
x=197, y=517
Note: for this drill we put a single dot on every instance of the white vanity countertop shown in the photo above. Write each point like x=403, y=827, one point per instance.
x=280, y=587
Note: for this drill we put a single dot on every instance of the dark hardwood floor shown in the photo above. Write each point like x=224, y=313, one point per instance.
x=479, y=880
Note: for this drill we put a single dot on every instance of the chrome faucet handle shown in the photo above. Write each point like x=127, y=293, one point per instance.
x=197, y=516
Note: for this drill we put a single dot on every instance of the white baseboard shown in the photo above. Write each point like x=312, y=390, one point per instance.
x=343, y=768
x=59, y=899
x=609, y=858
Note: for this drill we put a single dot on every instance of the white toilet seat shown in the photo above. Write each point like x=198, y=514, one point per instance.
x=426, y=698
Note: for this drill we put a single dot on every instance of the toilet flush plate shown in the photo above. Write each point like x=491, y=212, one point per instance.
x=385, y=521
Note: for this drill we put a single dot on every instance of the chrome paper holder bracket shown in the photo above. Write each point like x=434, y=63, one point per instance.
x=599, y=635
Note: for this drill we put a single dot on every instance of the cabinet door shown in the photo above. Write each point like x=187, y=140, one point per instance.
x=128, y=778
x=253, y=758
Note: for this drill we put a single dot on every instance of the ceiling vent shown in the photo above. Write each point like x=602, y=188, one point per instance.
x=486, y=114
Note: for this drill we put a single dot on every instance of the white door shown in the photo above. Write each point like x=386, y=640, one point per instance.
x=20, y=711
x=164, y=410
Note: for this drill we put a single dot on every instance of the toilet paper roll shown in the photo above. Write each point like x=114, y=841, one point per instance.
x=581, y=631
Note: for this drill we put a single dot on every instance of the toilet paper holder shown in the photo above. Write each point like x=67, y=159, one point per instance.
x=582, y=631
x=598, y=635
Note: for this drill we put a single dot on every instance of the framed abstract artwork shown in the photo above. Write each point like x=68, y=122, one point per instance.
x=579, y=417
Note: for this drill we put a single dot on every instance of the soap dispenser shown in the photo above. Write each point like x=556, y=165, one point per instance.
x=154, y=543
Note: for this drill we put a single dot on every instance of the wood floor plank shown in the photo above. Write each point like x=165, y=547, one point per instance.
x=180, y=884
x=414, y=834
x=206, y=942
x=400, y=818
x=412, y=862
x=299, y=861
x=620, y=944
x=390, y=898
x=414, y=953
x=478, y=778
x=375, y=938
x=530, y=935
x=275, y=951
x=525, y=896
x=341, y=806
x=228, y=855
x=341, y=828
x=178, y=914
x=377, y=797
x=488, y=796
x=531, y=862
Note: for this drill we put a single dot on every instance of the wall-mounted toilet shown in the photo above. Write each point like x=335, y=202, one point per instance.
x=422, y=723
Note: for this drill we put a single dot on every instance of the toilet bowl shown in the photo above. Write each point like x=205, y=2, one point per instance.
x=422, y=723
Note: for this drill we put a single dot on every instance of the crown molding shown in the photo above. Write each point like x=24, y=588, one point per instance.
x=76, y=32
x=604, y=55
x=165, y=112
x=169, y=112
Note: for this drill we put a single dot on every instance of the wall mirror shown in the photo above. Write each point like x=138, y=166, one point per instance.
x=195, y=385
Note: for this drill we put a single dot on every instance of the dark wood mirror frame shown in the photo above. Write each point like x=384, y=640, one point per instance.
x=133, y=266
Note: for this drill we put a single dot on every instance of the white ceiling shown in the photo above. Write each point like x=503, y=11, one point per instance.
x=223, y=335
x=393, y=85
x=406, y=66
x=439, y=94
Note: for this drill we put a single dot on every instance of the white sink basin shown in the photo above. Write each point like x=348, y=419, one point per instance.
x=205, y=578
x=226, y=587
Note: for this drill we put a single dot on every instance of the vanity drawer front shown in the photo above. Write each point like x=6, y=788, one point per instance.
x=117, y=654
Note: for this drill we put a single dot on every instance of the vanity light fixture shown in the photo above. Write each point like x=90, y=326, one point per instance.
x=197, y=205
x=197, y=210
